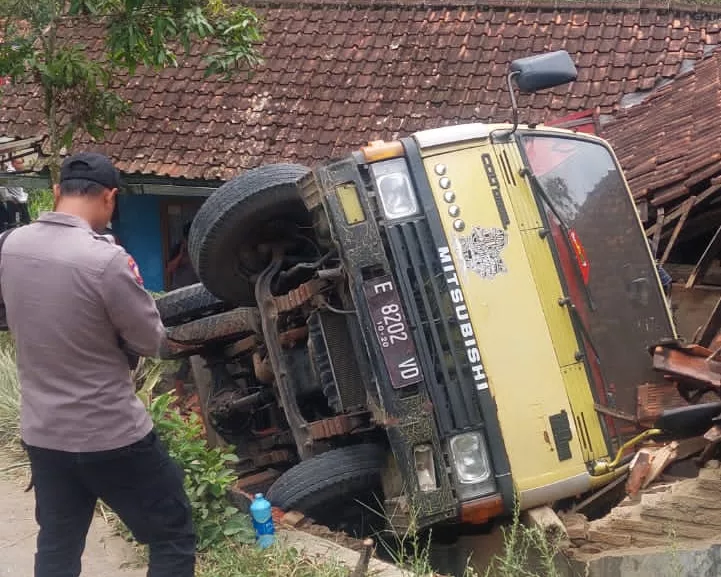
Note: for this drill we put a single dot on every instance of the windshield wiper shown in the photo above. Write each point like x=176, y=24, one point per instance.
x=540, y=192
x=576, y=318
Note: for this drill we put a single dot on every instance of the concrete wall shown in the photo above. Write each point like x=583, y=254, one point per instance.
x=138, y=229
x=666, y=562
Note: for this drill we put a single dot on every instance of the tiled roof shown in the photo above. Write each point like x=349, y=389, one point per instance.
x=339, y=73
x=670, y=145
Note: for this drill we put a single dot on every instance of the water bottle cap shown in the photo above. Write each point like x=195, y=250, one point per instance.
x=259, y=495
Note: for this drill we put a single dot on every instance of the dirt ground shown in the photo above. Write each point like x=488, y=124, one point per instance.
x=106, y=554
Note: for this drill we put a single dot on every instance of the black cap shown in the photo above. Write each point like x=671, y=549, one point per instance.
x=90, y=166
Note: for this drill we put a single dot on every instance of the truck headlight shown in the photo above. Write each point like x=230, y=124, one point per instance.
x=470, y=458
x=393, y=181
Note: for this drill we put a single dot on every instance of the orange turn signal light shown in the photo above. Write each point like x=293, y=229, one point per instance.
x=480, y=511
x=382, y=150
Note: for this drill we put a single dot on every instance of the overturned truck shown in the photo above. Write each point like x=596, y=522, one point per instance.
x=439, y=327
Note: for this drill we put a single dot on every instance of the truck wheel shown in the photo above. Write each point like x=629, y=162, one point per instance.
x=236, y=219
x=227, y=326
x=186, y=304
x=340, y=475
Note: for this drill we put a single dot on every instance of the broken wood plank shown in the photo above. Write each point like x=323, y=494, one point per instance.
x=600, y=493
x=615, y=413
x=659, y=228
x=674, y=451
x=677, y=212
x=640, y=468
x=706, y=259
x=687, y=206
x=361, y=569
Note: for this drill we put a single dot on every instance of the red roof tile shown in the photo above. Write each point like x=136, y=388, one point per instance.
x=339, y=73
x=671, y=143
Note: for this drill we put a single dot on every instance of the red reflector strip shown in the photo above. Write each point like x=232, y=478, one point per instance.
x=580, y=253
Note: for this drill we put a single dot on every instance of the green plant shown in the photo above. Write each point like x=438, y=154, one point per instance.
x=410, y=550
x=40, y=200
x=527, y=552
x=233, y=560
x=149, y=374
x=208, y=475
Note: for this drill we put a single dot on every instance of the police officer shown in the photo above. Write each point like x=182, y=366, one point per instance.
x=77, y=309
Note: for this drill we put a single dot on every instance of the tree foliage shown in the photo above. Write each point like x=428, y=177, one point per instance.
x=79, y=87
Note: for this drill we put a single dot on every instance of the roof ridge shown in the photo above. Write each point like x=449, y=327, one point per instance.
x=704, y=7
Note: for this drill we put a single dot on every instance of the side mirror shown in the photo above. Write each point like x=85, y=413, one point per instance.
x=543, y=71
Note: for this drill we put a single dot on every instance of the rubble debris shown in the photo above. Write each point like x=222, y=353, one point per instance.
x=640, y=468
x=713, y=436
x=654, y=398
x=649, y=463
x=576, y=526
x=546, y=519
x=678, y=513
x=292, y=518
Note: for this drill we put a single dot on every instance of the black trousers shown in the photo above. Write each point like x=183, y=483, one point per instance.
x=140, y=482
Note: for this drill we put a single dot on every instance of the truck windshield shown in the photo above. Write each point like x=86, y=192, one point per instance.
x=592, y=220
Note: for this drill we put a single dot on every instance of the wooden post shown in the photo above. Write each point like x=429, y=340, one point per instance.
x=687, y=206
x=361, y=569
x=706, y=259
x=657, y=234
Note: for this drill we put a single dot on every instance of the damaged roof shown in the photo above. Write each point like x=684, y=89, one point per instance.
x=340, y=73
x=670, y=147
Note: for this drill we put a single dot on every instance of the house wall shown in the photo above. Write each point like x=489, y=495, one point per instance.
x=138, y=230
x=692, y=307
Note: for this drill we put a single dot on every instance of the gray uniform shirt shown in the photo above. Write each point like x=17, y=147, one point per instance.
x=71, y=296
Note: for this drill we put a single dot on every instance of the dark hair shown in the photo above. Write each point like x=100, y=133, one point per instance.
x=186, y=229
x=80, y=187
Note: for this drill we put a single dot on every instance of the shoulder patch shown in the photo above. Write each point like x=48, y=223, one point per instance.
x=135, y=270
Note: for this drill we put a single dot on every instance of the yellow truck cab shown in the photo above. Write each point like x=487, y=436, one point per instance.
x=479, y=301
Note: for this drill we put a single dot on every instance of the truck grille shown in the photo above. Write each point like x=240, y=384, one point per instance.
x=448, y=376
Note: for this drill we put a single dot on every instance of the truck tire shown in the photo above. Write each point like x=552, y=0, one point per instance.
x=234, y=220
x=336, y=475
x=186, y=304
x=230, y=325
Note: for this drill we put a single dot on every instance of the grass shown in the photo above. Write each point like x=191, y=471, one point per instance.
x=9, y=398
x=527, y=552
x=233, y=560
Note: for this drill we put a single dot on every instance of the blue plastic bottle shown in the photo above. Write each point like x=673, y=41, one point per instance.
x=260, y=512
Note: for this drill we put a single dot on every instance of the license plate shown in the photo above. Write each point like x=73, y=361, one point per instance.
x=391, y=327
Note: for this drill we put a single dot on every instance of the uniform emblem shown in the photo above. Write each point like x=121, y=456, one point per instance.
x=481, y=251
x=135, y=270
